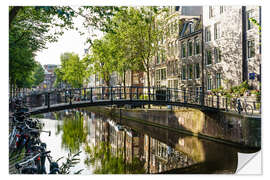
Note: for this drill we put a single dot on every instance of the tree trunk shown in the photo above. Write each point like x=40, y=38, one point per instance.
x=148, y=84
x=13, y=12
x=125, y=94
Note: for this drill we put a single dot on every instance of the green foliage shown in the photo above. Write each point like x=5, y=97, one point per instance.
x=74, y=133
x=38, y=74
x=70, y=162
x=29, y=31
x=105, y=162
x=72, y=71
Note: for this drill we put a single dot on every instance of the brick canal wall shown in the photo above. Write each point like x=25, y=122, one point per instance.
x=226, y=127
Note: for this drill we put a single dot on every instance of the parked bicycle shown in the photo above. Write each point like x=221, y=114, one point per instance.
x=240, y=106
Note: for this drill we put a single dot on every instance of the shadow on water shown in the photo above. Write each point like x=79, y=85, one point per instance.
x=131, y=147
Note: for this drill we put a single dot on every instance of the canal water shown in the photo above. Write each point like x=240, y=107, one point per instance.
x=113, y=146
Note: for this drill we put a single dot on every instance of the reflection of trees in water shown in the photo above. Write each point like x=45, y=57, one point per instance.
x=74, y=132
x=104, y=162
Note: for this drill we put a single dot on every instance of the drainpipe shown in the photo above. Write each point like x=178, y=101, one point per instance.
x=202, y=63
x=244, y=46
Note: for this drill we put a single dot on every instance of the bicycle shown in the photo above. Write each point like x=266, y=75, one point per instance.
x=240, y=106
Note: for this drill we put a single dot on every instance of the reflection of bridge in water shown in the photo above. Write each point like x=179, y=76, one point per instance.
x=60, y=99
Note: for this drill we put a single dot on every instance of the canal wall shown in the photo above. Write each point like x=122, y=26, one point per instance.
x=220, y=126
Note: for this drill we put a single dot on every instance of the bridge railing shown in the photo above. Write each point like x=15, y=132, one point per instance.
x=139, y=94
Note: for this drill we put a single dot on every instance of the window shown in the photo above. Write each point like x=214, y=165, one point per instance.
x=190, y=71
x=208, y=58
x=251, y=48
x=217, y=31
x=183, y=50
x=184, y=72
x=217, y=55
x=191, y=27
x=207, y=34
x=209, y=82
x=197, y=45
x=158, y=58
x=221, y=9
x=250, y=14
x=218, y=80
x=197, y=70
x=189, y=48
x=211, y=14
x=163, y=74
x=162, y=57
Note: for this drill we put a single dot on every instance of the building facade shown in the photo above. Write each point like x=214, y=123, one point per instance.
x=231, y=46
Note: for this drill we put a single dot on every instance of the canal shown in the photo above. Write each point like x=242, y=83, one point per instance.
x=113, y=146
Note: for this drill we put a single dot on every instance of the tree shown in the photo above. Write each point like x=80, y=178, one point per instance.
x=102, y=60
x=72, y=71
x=139, y=31
x=38, y=74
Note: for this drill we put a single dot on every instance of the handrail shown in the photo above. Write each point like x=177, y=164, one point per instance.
x=140, y=93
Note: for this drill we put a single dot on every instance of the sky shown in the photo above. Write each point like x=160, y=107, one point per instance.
x=70, y=41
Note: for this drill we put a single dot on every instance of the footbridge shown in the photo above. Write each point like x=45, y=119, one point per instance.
x=130, y=96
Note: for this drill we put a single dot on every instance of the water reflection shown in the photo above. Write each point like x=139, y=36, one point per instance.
x=74, y=131
x=128, y=147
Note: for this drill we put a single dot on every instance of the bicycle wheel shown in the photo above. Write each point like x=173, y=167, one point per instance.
x=248, y=109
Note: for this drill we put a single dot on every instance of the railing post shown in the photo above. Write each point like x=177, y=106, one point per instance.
x=185, y=100
x=226, y=104
x=202, y=98
x=48, y=100
x=137, y=93
x=120, y=92
x=218, y=101
x=84, y=94
x=111, y=93
x=169, y=94
x=212, y=99
x=70, y=97
x=91, y=94
x=130, y=93
x=254, y=105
